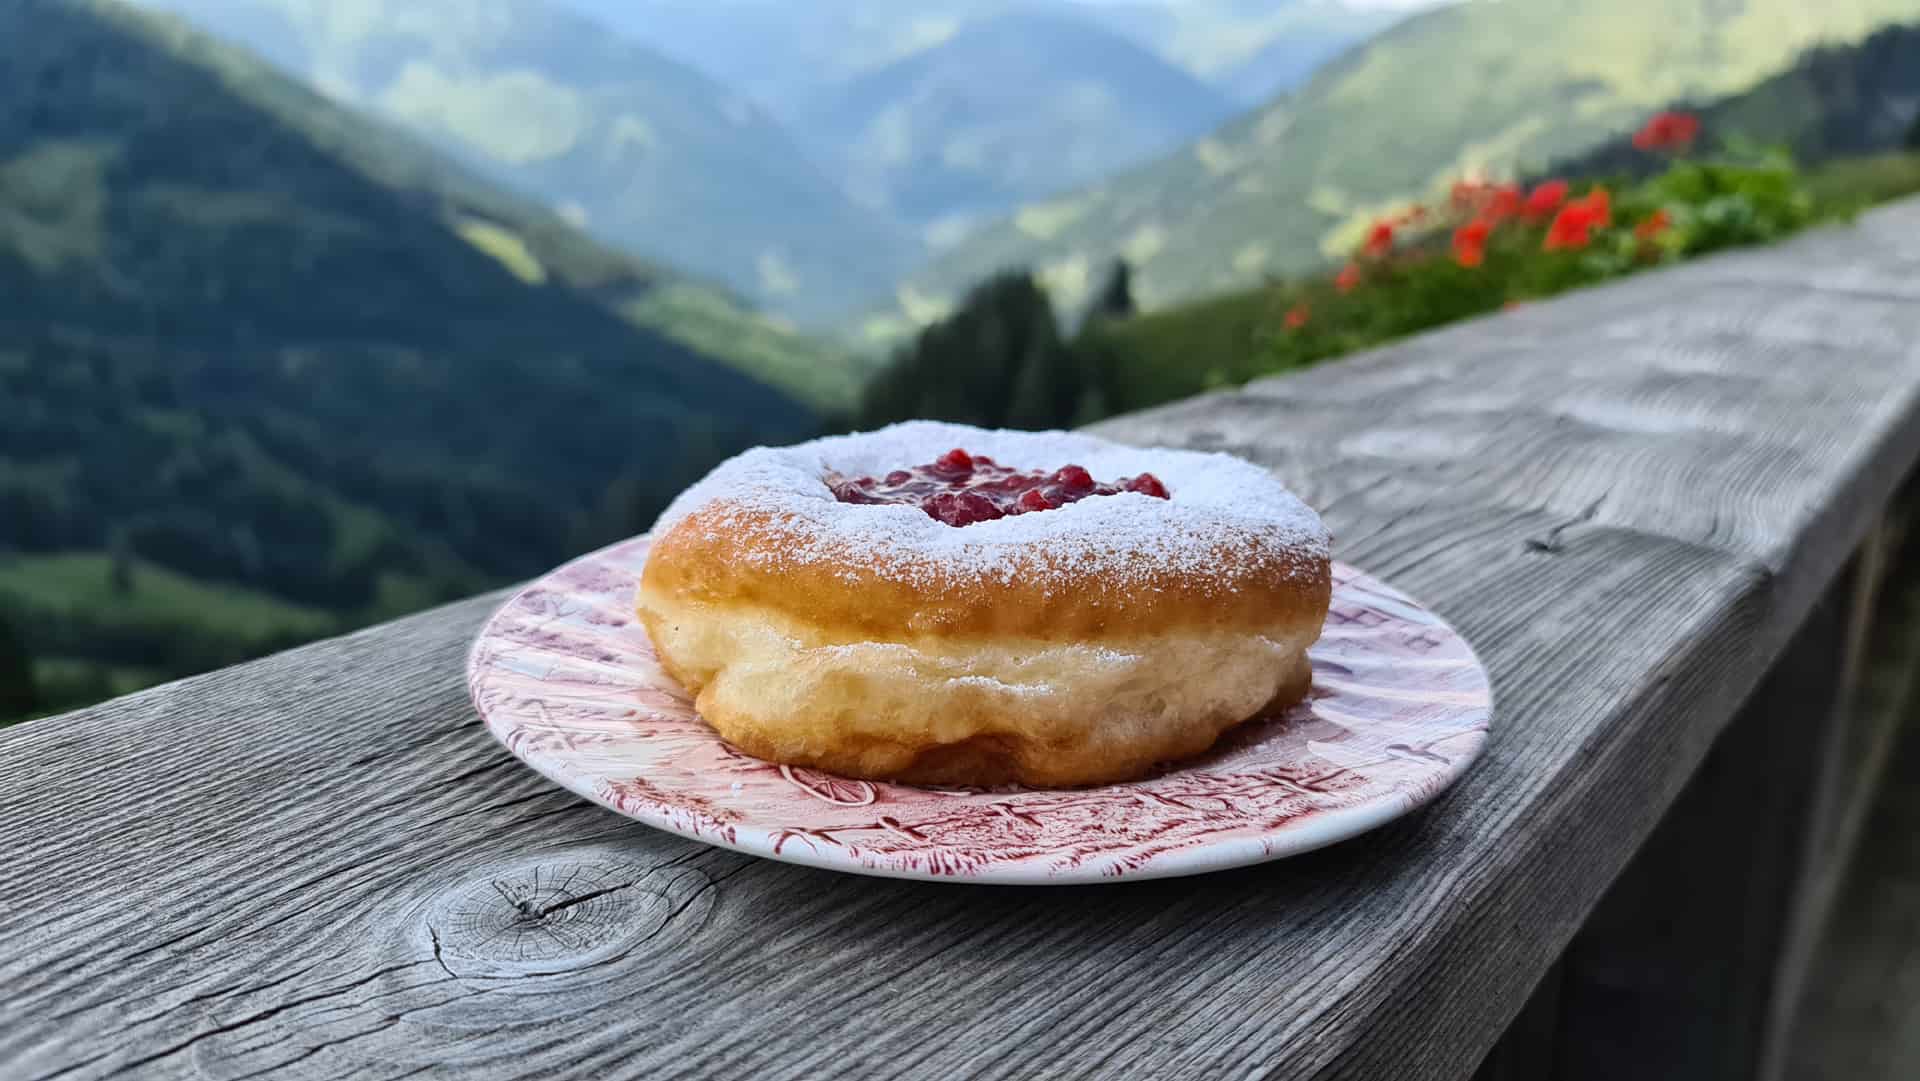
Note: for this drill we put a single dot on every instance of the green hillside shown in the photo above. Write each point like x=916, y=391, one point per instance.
x=528, y=239
x=1009, y=109
x=643, y=151
x=246, y=376
x=1842, y=101
x=1477, y=86
x=146, y=618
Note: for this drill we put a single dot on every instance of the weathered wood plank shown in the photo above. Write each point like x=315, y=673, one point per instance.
x=319, y=866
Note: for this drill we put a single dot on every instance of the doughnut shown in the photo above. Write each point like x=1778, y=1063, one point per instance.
x=946, y=605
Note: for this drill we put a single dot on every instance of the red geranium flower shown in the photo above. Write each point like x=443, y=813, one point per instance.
x=1297, y=316
x=1573, y=227
x=1348, y=279
x=1656, y=223
x=1599, y=206
x=1570, y=231
x=1668, y=131
x=1545, y=199
x=1495, y=202
x=1470, y=242
x=1379, y=239
x=1503, y=203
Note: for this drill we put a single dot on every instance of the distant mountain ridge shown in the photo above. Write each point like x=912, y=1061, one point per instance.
x=949, y=112
x=648, y=153
x=790, y=55
x=1250, y=50
x=1008, y=109
x=1465, y=88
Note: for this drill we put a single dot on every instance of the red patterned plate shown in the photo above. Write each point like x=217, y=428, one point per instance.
x=566, y=678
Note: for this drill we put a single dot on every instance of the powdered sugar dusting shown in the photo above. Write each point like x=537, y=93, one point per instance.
x=1219, y=505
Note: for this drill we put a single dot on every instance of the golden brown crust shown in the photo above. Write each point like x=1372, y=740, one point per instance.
x=717, y=556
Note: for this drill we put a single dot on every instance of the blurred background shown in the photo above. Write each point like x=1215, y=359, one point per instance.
x=316, y=312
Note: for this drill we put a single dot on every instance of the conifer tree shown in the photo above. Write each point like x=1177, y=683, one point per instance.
x=997, y=361
x=1115, y=298
x=18, y=696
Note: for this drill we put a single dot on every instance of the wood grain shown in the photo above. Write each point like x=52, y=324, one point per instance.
x=319, y=866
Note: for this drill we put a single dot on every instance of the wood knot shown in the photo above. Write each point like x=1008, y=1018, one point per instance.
x=555, y=913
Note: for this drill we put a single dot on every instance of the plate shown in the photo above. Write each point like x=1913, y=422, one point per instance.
x=567, y=680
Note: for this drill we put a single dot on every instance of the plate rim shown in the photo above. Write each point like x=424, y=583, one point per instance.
x=1310, y=832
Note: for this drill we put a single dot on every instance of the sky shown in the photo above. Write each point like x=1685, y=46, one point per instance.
x=1364, y=5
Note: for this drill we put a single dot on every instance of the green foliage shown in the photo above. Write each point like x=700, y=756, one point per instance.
x=67, y=605
x=822, y=375
x=1114, y=300
x=1708, y=205
x=110, y=640
x=1846, y=186
x=120, y=566
x=71, y=683
x=998, y=361
x=18, y=695
x=1722, y=205
x=506, y=247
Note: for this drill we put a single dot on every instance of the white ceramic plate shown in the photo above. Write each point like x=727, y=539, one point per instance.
x=566, y=678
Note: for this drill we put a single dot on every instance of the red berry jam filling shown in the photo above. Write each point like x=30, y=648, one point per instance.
x=960, y=488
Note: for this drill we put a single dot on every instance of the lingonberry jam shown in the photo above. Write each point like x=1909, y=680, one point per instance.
x=960, y=488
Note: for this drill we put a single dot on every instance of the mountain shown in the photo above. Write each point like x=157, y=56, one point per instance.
x=1009, y=109
x=945, y=113
x=1289, y=60
x=534, y=241
x=646, y=152
x=1249, y=50
x=791, y=56
x=1473, y=86
x=1839, y=101
x=266, y=371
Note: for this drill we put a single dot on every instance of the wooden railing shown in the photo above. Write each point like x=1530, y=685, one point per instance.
x=1664, y=512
